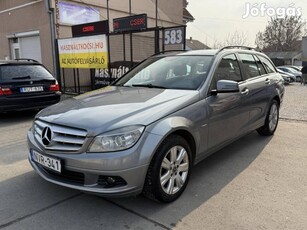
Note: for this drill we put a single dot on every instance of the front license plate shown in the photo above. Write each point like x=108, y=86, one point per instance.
x=45, y=161
x=31, y=89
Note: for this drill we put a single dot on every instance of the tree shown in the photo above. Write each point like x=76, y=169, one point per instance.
x=282, y=34
x=236, y=38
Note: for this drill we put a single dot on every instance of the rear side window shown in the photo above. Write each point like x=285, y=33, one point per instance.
x=260, y=65
x=20, y=72
x=250, y=65
x=267, y=64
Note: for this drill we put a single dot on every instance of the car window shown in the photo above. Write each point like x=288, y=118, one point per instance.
x=267, y=64
x=250, y=65
x=290, y=70
x=228, y=69
x=260, y=65
x=17, y=72
x=171, y=72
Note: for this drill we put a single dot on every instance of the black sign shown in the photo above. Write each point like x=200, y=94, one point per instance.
x=135, y=22
x=93, y=28
x=174, y=36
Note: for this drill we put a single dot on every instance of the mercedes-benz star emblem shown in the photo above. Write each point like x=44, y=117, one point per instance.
x=47, y=135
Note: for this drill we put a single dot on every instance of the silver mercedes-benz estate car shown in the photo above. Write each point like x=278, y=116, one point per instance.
x=144, y=133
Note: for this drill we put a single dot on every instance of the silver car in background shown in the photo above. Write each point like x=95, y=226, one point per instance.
x=144, y=133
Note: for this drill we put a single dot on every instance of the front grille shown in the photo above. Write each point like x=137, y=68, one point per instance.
x=63, y=138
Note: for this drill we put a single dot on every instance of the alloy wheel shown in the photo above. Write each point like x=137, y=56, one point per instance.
x=174, y=170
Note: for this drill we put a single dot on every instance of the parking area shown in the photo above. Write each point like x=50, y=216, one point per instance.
x=255, y=183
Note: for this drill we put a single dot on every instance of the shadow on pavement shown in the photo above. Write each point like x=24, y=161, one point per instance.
x=9, y=118
x=207, y=179
x=28, y=193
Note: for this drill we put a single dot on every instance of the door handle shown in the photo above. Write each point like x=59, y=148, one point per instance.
x=245, y=91
x=267, y=81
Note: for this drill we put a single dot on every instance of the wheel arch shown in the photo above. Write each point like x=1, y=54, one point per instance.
x=177, y=126
x=188, y=137
x=276, y=98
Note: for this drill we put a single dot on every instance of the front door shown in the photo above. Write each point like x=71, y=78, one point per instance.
x=227, y=117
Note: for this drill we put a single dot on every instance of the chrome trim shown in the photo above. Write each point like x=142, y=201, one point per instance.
x=63, y=139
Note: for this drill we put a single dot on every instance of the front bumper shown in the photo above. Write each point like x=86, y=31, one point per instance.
x=89, y=172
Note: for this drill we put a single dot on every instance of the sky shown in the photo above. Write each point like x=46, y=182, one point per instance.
x=215, y=20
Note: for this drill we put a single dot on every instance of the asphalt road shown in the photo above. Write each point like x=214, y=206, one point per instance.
x=254, y=183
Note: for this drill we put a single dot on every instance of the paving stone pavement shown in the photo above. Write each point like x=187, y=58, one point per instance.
x=294, y=106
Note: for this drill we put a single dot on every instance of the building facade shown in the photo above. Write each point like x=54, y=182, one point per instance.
x=30, y=28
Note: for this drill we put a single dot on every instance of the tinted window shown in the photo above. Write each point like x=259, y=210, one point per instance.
x=267, y=64
x=260, y=66
x=250, y=65
x=228, y=69
x=171, y=72
x=15, y=72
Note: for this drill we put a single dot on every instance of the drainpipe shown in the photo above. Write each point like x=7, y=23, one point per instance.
x=50, y=11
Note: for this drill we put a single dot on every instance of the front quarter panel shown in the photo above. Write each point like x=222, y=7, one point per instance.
x=191, y=120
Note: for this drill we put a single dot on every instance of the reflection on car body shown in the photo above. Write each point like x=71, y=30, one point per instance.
x=144, y=133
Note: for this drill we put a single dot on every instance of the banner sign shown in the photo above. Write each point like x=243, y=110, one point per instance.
x=83, y=52
x=135, y=22
x=104, y=77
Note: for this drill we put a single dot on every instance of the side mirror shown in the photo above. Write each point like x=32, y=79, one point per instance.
x=226, y=86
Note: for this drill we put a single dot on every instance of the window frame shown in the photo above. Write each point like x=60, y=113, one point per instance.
x=269, y=60
x=246, y=74
x=213, y=80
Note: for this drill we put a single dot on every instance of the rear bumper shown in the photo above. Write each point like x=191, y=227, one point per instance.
x=17, y=103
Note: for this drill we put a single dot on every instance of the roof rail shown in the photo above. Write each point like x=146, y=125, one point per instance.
x=237, y=47
x=167, y=51
x=26, y=59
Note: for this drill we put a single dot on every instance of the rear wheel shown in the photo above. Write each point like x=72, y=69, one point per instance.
x=298, y=79
x=271, y=120
x=169, y=171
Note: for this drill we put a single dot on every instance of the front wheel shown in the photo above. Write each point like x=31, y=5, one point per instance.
x=271, y=120
x=169, y=171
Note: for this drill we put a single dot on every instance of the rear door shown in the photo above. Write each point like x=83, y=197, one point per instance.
x=256, y=85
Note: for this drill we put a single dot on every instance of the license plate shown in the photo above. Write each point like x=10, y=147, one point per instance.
x=31, y=89
x=45, y=161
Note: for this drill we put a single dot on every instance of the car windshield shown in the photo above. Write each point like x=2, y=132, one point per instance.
x=291, y=70
x=171, y=72
x=22, y=72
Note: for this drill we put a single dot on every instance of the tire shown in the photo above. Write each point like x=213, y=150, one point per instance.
x=271, y=120
x=298, y=79
x=169, y=171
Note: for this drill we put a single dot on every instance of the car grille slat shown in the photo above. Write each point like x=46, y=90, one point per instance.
x=68, y=139
x=64, y=138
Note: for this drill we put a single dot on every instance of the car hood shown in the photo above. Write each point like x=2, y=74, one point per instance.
x=113, y=107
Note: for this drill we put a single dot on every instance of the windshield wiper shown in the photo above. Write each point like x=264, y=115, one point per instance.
x=149, y=86
x=21, y=78
x=122, y=85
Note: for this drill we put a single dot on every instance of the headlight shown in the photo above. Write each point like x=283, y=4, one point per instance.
x=116, y=140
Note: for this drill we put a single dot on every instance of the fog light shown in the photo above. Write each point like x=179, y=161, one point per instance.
x=110, y=180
